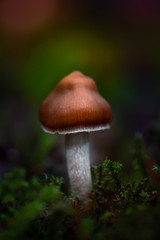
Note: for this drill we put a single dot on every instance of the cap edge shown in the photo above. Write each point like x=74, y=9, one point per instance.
x=77, y=130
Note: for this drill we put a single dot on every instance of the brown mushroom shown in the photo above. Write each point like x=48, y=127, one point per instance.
x=75, y=108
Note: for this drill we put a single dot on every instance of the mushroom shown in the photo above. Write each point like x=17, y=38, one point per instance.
x=75, y=108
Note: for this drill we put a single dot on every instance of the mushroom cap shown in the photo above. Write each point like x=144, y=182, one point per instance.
x=75, y=105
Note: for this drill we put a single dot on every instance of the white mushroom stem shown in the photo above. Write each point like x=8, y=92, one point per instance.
x=78, y=163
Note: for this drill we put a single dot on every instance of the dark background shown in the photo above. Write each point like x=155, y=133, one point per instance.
x=117, y=43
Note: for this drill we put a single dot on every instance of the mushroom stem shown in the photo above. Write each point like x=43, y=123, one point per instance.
x=78, y=163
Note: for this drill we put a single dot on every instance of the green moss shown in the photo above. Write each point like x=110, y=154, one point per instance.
x=117, y=209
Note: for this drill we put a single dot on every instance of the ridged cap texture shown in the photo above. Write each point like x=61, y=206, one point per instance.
x=75, y=105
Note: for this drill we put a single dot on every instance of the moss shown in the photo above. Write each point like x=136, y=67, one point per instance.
x=117, y=208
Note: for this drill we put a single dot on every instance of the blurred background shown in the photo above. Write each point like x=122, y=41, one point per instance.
x=117, y=43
